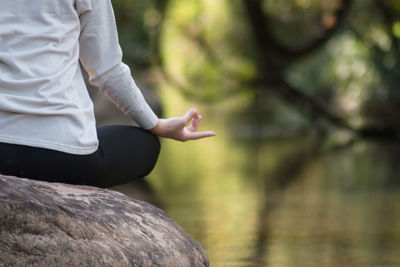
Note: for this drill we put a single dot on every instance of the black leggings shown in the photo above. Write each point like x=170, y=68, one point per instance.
x=124, y=153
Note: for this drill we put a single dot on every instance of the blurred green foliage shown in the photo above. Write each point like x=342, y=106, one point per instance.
x=136, y=21
x=320, y=64
x=297, y=63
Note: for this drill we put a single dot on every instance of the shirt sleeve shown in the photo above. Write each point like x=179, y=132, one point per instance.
x=101, y=56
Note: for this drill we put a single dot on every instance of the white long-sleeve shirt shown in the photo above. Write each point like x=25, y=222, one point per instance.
x=43, y=98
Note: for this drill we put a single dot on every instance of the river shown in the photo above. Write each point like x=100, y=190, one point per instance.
x=281, y=201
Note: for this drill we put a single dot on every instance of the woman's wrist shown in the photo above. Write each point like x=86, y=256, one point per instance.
x=158, y=128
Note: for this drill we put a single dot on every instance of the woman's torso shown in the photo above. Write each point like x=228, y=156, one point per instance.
x=43, y=98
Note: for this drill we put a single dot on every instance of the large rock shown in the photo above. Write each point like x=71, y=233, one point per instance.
x=53, y=224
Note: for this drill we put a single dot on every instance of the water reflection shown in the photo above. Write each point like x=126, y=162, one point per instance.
x=284, y=202
x=281, y=201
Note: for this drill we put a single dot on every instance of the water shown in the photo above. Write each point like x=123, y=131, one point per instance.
x=284, y=202
x=279, y=201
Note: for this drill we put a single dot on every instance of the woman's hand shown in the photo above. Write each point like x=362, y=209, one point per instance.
x=175, y=128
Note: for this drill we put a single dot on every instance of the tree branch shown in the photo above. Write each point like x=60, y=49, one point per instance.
x=314, y=105
x=309, y=103
x=340, y=16
x=267, y=42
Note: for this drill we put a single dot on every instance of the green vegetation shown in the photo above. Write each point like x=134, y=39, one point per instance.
x=271, y=72
x=299, y=65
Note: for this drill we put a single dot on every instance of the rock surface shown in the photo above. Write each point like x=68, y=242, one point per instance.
x=52, y=224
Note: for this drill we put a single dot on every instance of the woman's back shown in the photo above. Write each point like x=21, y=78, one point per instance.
x=37, y=38
x=43, y=98
x=47, y=124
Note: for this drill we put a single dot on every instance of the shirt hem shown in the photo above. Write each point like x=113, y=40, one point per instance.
x=49, y=145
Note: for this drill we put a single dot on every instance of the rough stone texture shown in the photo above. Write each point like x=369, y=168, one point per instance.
x=52, y=224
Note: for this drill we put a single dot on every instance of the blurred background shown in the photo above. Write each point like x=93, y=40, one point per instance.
x=305, y=98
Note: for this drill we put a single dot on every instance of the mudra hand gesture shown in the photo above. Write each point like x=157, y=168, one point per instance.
x=175, y=128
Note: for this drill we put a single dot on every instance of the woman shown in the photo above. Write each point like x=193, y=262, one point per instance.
x=47, y=124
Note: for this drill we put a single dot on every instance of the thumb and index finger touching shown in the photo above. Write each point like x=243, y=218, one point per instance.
x=193, y=115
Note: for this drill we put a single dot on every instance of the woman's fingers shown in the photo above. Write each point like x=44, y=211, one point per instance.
x=190, y=131
x=174, y=128
x=195, y=123
x=189, y=115
x=198, y=135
